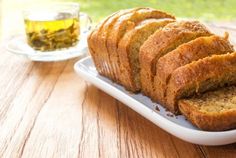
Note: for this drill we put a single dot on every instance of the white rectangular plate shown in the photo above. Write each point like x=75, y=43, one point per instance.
x=175, y=125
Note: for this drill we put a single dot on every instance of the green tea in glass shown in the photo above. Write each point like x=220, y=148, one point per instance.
x=53, y=26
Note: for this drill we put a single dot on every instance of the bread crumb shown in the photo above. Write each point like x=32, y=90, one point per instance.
x=157, y=108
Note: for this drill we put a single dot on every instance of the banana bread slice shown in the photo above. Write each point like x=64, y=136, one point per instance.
x=92, y=46
x=123, y=24
x=184, y=54
x=101, y=38
x=199, y=76
x=93, y=39
x=213, y=110
x=98, y=65
x=128, y=51
x=162, y=42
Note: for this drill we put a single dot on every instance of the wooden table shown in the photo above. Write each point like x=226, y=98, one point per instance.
x=46, y=110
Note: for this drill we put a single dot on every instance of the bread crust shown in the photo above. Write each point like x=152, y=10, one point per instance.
x=125, y=50
x=199, y=76
x=92, y=46
x=123, y=24
x=185, y=54
x=92, y=52
x=162, y=42
x=210, y=121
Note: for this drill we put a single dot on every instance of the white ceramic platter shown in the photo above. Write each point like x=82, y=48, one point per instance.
x=175, y=125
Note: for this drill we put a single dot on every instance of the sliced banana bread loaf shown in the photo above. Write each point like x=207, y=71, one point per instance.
x=128, y=51
x=199, y=76
x=184, y=54
x=212, y=111
x=123, y=24
x=162, y=42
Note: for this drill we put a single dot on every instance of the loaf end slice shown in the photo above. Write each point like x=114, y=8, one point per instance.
x=213, y=110
x=101, y=39
x=92, y=38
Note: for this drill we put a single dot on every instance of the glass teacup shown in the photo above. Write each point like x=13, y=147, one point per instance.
x=54, y=26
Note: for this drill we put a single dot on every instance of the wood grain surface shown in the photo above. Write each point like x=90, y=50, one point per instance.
x=46, y=110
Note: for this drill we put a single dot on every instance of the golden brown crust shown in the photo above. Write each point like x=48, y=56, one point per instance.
x=199, y=76
x=124, y=23
x=92, y=52
x=185, y=54
x=128, y=50
x=162, y=42
x=210, y=121
x=92, y=46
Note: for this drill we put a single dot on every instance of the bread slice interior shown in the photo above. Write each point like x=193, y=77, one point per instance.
x=213, y=110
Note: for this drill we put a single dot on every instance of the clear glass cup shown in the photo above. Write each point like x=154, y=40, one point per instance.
x=54, y=26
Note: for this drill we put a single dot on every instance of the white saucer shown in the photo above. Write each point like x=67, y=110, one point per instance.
x=18, y=45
